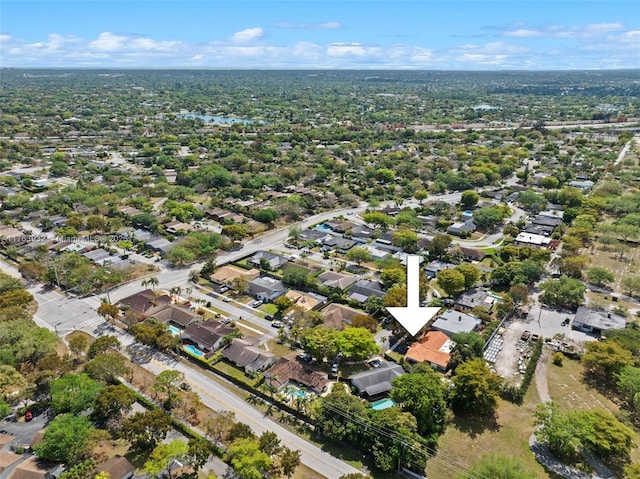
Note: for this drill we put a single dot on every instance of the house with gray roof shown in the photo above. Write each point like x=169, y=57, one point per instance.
x=433, y=267
x=364, y=289
x=334, y=280
x=596, y=320
x=451, y=322
x=266, y=288
x=206, y=335
x=475, y=297
x=376, y=381
x=462, y=228
x=275, y=261
x=246, y=355
x=341, y=245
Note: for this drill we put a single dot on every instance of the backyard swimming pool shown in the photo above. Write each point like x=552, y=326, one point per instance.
x=193, y=350
x=175, y=331
x=295, y=392
x=383, y=404
x=323, y=227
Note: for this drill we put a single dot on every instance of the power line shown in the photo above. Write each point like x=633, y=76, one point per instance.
x=423, y=449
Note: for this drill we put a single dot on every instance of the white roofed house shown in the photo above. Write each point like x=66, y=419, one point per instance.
x=451, y=322
x=266, y=288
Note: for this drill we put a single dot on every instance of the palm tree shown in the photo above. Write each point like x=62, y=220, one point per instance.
x=153, y=282
x=144, y=283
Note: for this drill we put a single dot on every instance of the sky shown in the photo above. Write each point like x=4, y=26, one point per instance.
x=322, y=34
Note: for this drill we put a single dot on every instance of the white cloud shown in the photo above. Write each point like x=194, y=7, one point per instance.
x=108, y=42
x=342, y=49
x=309, y=26
x=4, y=37
x=524, y=33
x=248, y=35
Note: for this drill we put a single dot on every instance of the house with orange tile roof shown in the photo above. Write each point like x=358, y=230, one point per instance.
x=434, y=348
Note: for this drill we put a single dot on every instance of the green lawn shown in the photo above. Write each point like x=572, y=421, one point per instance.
x=465, y=442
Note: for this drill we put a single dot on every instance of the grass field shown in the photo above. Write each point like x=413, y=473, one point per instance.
x=465, y=442
x=570, y=392
x=611, y=261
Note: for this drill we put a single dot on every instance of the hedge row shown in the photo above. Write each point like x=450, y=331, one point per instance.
x=516, y=394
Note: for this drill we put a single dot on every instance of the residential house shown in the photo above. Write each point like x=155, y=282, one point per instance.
x=144, y=301
x=58, y=221
x=362, y=232
x=7, y=461
x=160, y=245
x=117, y=467
x=305, y=301
x=206, y=335
x=266, y=288
x=475, y=297
x=226, y=274
x=316, y=236
x=341, y=245
x=337, y=316
x=377, y=253
x=584, y=185
x=451, y=322
x=35, y=468
x=431, y=269
x=365, y=289
x=334, y=280
x=176, y=226
x=596, y=321
x=532, y=240
x=469, y=254
x=376, y=381
x=176, y=314
x=291, y=369
x=429, y=223
x=274, y=261
x=244, y=354
x=434, y=349
x=9, y=234
x=462, y=228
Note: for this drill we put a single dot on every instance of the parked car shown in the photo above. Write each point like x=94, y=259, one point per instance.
x=277, y=324
x=225, y=321
x=306, y=357
x=28, y=416
x=226, y=299
x=257, y=303
x=334, y=369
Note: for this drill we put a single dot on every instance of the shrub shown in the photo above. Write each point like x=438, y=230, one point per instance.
x=558, y=358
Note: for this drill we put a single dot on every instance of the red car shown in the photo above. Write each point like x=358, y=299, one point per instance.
x=28, y=416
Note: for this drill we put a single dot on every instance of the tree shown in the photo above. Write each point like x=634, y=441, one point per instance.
x=269, y=443
x=357, y=343
x=112, y=402
x=631, y=284
x=218, y=425
x=294, y=233
x=295, y=276
x=469, y=199
x=234, y=232
x=451, y=281
x=73, y=393
x=476, y=388
x=471, y=274
x=489, y=217
x=573, y=266
x=106, y=367
x=247, y=459
x=365, y=321
x=423, y=394
x=628, y=382
x=599, y=276
x=282, y=303
x=267, y=216
x=606, y=359
x=65, y=439
x=199, y=452
x=102, y=345
x=321, y=342
x=563, y=292
x=406, y=239
x=163, y=455
x=168, y=383
x=289, y=460
x=359, y=255
x=396, y=297
x=439, y=246
x=78, y=344
x=469, y=345
x=145, y=429
x=108, y=311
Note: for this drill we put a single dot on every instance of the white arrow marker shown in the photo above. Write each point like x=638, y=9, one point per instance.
x=412, y=317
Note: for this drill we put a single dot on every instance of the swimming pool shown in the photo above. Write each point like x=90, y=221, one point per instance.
x=296, y=392
x=323, y=227
x=175, y=331
x=383, y=404
x=190, y=348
